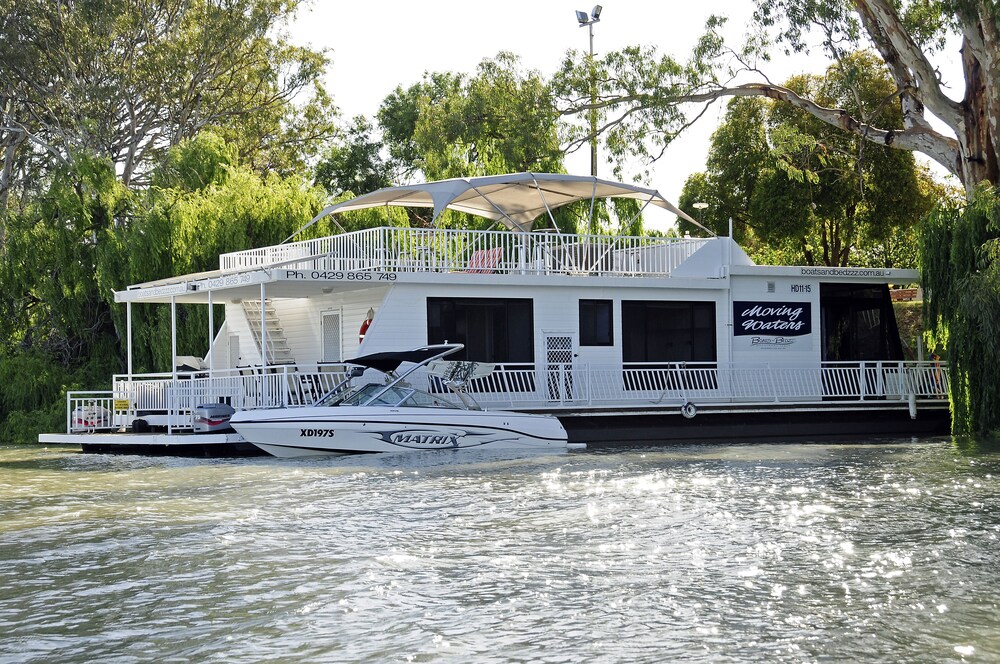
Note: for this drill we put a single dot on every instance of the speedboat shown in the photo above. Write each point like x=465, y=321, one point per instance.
x=394, y=416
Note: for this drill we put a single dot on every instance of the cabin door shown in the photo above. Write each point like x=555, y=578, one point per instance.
x=559, y=353
x=332, y=337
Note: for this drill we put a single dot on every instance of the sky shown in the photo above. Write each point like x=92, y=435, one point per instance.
x=377, y=45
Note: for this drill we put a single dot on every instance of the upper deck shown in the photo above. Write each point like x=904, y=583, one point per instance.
x=518, y=203
x=394, y=249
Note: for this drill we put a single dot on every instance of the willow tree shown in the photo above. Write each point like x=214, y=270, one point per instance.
x=961, y=254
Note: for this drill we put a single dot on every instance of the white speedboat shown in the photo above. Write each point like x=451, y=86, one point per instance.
x=393, y=416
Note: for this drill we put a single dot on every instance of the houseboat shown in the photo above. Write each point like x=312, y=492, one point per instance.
x=625, y=339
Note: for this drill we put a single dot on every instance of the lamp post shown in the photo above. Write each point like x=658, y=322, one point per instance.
x=700, y=205
x=589, y=20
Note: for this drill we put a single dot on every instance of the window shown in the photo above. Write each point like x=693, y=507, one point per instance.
x=654, y=331
x=660, y=338
x=858, y=323
x=596, y=323
x=492, y=329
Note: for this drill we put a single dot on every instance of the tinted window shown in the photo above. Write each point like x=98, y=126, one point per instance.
x=668, y=331
x=492, y=329
x=596, y=323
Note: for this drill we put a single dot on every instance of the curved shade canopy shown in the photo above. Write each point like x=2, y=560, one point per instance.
x=515, y=200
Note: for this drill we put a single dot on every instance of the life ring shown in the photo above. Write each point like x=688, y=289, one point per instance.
x=365, y=324
x=689, y=410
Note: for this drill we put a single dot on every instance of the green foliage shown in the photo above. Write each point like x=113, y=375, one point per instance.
x=801, y=191
x=630, y=96
x=48, y=261
x=184, y=230
x=33, y=386
x=355, y=163
x=197, y=164
x=127, y=80
x=500, y=120
x=960, y=271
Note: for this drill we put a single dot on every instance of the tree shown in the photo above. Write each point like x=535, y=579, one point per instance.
x=641, y=94
x=355, y=162
x=401, y=110
x=48, y=261
x=961, y=270
x=500, y=120
x=795, y=182
x=125, y=81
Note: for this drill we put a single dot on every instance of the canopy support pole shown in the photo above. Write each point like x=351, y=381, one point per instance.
x=128, y=335
x=173, y=407
x=211, y=335
x=173, y=337
x=263, y=341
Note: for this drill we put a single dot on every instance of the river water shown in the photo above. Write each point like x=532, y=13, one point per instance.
x=712, y=553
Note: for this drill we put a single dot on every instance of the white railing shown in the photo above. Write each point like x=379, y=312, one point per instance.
x=89, y=411
x=633, y=386
x=444, y=250
x=645, y=385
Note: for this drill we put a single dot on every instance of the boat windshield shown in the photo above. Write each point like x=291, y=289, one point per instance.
x=396, y=395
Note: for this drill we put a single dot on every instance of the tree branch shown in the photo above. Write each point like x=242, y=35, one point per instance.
x=907, y=61
x=941, y=149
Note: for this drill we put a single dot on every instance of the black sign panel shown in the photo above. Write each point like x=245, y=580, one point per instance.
x=780, y=319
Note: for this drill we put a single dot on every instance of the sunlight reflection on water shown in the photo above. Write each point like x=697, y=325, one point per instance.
x=702, y=553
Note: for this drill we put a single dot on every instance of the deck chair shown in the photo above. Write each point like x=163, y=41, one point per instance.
x=484, y=261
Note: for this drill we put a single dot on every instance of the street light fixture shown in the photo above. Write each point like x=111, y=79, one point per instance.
x=589, y=20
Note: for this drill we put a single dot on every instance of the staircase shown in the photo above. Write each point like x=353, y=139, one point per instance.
x=278, y=351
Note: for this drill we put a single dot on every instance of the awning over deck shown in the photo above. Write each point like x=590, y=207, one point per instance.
x=515, y=200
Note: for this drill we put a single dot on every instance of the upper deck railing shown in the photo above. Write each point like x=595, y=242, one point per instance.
x=446, y=250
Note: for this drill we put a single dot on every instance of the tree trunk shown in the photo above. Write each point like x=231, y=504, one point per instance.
x=7, y=175
x=977, y=153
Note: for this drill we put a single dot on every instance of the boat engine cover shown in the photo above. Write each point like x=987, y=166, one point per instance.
x=212, y=417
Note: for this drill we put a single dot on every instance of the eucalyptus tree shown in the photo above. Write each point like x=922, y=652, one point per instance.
x=126, y=81
x=827, y=197
x=646, y=98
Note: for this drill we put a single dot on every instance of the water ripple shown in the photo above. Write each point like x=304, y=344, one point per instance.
x=721, y=553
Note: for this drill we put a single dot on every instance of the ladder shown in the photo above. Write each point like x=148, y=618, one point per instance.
x=278, y=351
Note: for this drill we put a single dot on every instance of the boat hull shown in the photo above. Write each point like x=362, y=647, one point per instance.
x=359, y=430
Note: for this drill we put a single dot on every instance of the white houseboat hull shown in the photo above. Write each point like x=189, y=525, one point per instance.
x=293, y=432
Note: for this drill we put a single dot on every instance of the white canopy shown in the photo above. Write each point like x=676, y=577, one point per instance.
x=515, y=200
